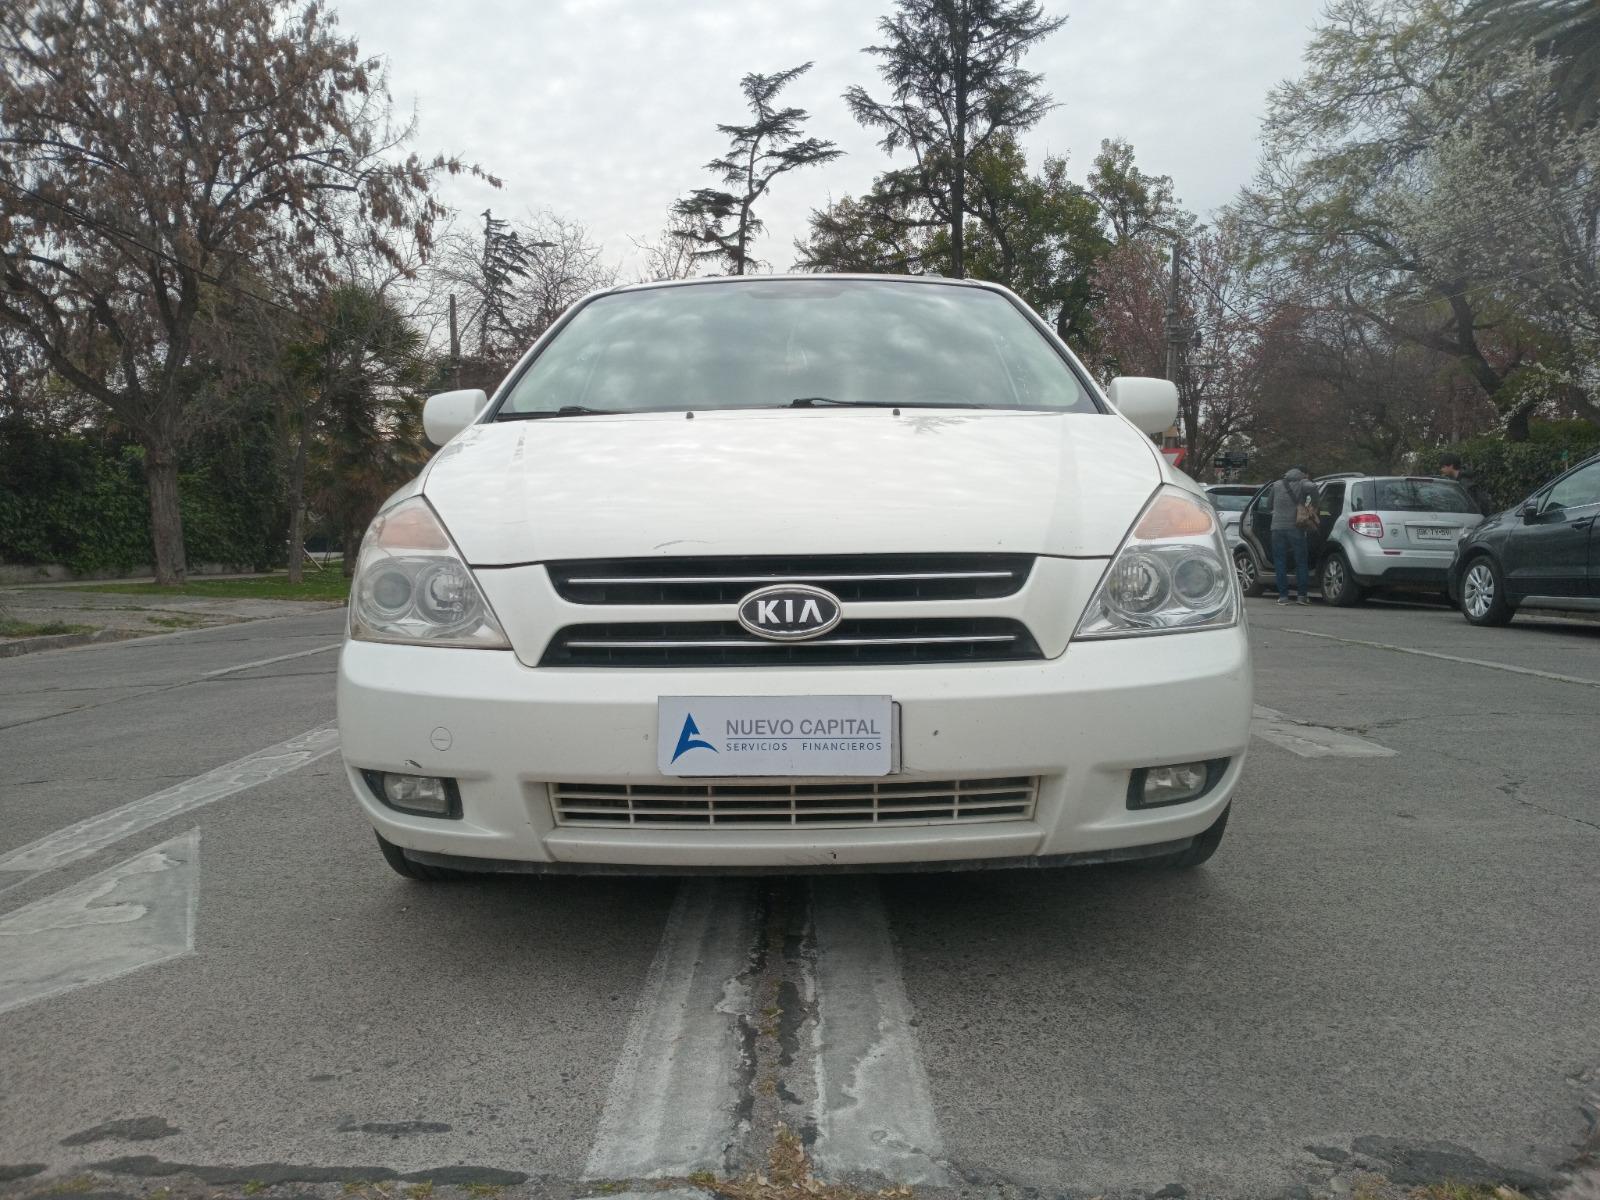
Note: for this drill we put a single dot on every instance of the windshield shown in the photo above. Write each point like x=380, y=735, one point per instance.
x=771, y=343
x=1421, y=495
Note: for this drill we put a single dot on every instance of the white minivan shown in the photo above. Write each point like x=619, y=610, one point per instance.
x=795, y=574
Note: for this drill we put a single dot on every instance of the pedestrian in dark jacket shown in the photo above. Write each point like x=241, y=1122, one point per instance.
x=1450, y=466
x=1288, y=494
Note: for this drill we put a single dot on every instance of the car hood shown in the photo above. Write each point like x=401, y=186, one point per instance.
x=792, y=482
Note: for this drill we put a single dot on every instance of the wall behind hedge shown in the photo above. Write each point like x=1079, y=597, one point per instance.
x=83, y=502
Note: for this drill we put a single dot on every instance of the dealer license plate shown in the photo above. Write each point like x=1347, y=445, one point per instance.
x=776, y=735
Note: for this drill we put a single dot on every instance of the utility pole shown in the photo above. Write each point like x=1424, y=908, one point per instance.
x=1177, y=335
x=455, y=344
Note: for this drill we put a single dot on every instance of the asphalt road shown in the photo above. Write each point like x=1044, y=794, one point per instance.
x=1391, y=965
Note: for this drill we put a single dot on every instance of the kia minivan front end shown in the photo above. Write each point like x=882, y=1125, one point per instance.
x=795, y=574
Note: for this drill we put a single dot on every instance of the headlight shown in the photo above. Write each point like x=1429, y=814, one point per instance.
x=1171, y=574
x=412, y=586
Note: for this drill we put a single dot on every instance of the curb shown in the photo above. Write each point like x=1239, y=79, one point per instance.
x=15, y=647
x=1562, y=614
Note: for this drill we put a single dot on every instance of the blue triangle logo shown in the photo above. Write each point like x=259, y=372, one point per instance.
x=690, y=739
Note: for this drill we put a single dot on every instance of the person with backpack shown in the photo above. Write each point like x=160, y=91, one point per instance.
x=1294, y=514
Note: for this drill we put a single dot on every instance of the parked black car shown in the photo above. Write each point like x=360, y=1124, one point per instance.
x=1545, y=553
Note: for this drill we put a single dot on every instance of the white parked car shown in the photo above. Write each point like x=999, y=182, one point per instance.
x=795, y=573
x=1229, y=499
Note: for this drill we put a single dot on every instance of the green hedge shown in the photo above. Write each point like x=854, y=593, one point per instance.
x=1511, y=471
x=81, y=502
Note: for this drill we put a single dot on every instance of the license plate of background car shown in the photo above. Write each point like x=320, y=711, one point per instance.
x=1433, y=533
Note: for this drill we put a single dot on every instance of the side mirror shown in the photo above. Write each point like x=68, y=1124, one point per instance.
x=1151, y=404
x=1530, y=509
x=448, y=413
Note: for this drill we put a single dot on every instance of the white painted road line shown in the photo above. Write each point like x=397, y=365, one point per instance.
x=267, y=662
x=1312, y=741
x=1455, y=658
x=135, y=914
x=95, y=833
x=876, y=1111
x=672, y=1105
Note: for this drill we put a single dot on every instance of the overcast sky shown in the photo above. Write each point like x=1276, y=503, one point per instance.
x=605, y=110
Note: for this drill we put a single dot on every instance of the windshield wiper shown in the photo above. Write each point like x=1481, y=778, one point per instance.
x=566, y=410
x=813, y=401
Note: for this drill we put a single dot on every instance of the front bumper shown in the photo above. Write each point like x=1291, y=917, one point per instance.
x=1081, y=723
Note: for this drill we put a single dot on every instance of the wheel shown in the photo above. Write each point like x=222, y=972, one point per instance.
x=1203, y=848
x=421, y=872
x=1339, y=586
x=1244, y=565
x=1483, y=593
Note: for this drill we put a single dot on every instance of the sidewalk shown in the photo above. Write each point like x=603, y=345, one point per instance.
x=113, y=616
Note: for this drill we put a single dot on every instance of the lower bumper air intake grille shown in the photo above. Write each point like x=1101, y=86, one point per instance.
x=744, y=805
x=726, y=644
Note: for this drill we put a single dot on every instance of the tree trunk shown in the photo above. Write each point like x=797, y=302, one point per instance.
x=352, y=548
x=1517, y=425
x=297, y=501
x=958, y=185
x=166, y=519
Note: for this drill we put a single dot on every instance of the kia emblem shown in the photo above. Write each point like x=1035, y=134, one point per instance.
x=789, y=612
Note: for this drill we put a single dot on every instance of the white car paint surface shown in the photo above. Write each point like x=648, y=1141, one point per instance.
x=824, y=481
x=1015, y=747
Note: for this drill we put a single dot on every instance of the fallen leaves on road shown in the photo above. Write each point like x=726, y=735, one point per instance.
x=788, y=1177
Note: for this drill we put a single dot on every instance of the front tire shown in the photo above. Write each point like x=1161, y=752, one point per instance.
x=1202, y=848
x=421, y=872
x=1483, y=593
x=1339, y=586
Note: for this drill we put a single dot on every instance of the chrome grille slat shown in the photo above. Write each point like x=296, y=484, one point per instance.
x=724, y=579
x=758, y=580
x=874, y=641
x=758, y=643
x=764, y=804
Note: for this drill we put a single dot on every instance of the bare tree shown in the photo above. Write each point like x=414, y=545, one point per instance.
x=1218, y=387
x=556, y=264
x=147, y=155
x=670, y=256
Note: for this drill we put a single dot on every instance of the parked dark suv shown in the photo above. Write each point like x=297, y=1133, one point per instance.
x=1545, y=553
x=1391, y=532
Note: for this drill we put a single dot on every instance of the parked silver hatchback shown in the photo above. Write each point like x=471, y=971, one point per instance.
x=1374, y=531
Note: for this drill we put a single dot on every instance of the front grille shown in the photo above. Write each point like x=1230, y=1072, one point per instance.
x=724, y=580
x=761, y=804
x=726, y=644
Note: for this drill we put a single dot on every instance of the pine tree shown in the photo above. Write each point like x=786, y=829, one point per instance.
x=956, y=82
x=720, y=223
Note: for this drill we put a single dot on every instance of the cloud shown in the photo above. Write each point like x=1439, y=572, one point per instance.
x=605, y=110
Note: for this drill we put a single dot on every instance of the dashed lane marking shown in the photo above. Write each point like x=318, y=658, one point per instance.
x=95, y=833
x=133, y=915
x=1455, y=658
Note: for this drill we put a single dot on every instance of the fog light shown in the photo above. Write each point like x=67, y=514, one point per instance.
x=1152, y=787
x=422, y=795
